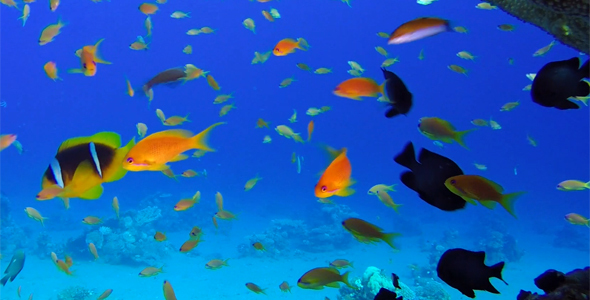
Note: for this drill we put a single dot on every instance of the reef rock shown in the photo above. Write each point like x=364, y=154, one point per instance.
x=574, y=285
x=566, y=20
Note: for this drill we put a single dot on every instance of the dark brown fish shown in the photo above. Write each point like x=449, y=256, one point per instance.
x=466, y=271
x=165, y=77
x=559, y=80
x=427, y=177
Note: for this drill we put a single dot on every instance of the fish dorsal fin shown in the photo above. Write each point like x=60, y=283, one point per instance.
x=333, y=270
x=70, y=143
x=179, y=133
x=496, y=186
x=480, y=256
x=79, y=53
x=111, y=139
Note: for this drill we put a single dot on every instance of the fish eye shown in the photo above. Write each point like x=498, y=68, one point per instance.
x=84, y=65
x=453, y=181
x=129, y=160
x=324, y=188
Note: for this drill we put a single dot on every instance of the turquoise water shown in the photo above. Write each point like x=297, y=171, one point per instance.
x=281, y=211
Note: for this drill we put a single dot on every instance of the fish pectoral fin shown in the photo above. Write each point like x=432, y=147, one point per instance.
x=93, y=193
x=488, y=204
x=76, y=71
x=179, y=157
x=345, y=192
x=469, y=200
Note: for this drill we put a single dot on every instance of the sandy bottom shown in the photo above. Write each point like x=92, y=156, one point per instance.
x=191, y=280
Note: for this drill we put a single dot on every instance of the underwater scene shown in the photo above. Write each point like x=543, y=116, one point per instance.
x=282, y=149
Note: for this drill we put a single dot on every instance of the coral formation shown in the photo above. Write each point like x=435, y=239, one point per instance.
x=291, y=237
x=496, y=241
x=432, y=290
x=369, y=285
x=566, y=20
x=128, y=240
x=571, y=237
x=574, y=285
x=75, y=293
x=12, y=236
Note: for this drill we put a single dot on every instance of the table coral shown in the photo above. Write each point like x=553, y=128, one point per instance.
x=566, y=20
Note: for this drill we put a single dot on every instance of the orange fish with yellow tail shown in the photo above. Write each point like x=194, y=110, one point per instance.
x=89, y=57
x=153, y=152
x=336, y=178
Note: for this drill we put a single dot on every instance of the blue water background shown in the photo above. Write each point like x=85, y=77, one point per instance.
x=44, y=113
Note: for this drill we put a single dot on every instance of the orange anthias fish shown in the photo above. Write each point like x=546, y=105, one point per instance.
x=355, y=88
x=89, y=57
x=6, y=140
x=487, y=192
x=441, y=130
x=418, y=29
x=153, y=152
x=168, y=291
x=310, y=127
x=288, y=46
x=336, y=179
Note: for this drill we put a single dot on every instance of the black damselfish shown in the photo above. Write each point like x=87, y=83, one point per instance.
x=466, y=271
x=559, y=80
x=428, y=177
x=400, y=98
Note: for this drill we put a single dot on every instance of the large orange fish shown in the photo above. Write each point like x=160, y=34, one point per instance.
x=357, y=87
x=288, y=46
x=153, y=152
x=82, y=164
x=336, y=179
x=89, y=57
x=6, y=140
x=418, y=29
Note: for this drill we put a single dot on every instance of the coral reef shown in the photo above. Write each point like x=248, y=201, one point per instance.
x=12, y=236
x=290, y=237
x=44, y=245
x=432, y=290
x=424, y=274
x=76, y=293
x=369, y=285
x=566, y=20
x=496, y=241
x=571, y=237
x=574, y=285
x=128, y=240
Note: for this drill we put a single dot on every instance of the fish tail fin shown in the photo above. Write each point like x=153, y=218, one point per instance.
x=587, y=185
x=118, y=159
x=345, y=280
x=389, y=237
x=460, y=135
x=302, y=44
x=396, y=207
x=408, y=156
x=4, y=279
x=97, y=57
x=496, y=271
x=66, y=202
x=186, y=118
x=382, y=89
x=508, y=201
x=199, y=141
